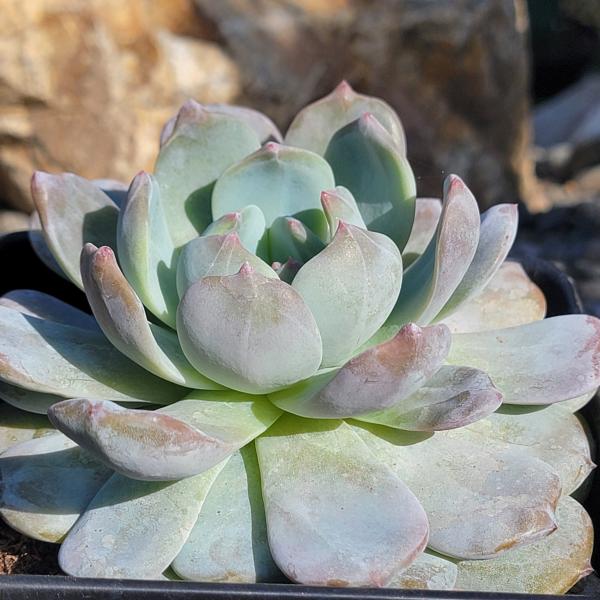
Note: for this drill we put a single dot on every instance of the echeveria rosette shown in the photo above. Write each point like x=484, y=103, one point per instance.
x=294, y=368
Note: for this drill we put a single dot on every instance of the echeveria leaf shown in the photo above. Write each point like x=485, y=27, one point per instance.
x=17, y=426
x=432, y=279
x=552, y=565
x=288, y=270
x=134, y=529
x=290, y=238
x=453, y=397
x=73, y=211
x=509, y=496
x=350, y=288
x=427, y=216
x=184, y=439
x=575, y=404
x=228, y=543
x=201, y=144
x=262, y=125
x=538, y=363
x=146, y=253
x=280, y=180
x=49, y=357
x=122, y=317
x=27, y=400
x=339, y=205
x=39, y=245
x=335, y=514
x=428, y=572
x=508, y=300
x=315, y=125
x=377, y=378
x=366, y=160
x=316, y=221
x=235, y=329
x=46, y=484
x=496, y=236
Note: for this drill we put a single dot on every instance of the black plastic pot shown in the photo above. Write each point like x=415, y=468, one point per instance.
x=20, y=268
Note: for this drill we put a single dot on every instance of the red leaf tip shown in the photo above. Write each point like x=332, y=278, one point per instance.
x=246, y=269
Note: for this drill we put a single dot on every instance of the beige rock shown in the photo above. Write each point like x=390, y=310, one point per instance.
x=12, y=220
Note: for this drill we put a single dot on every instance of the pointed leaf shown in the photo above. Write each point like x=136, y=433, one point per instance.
x=508, y=300
x=46, y=484
x=366, y=160
x=184, y=439
x=339, y=205
x=335, y=514
x=228, y=543
x=538, y=363
x=431, y=280
x=481, y=498
x=290, y=238
x=350, y=288
x=235, y=330
x=379, y=377
x=17, y=426
x=315, y=125
x=453, y=397
x=49, y=357
x=280, y=180
x=427, y=216
x=201, y=145
x=429, y=572
x=134, y=529
x=72, y=211
x=552, y=565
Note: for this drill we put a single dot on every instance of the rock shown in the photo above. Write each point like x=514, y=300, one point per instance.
x=86, y=86
x=455, y=71
x=12, y=220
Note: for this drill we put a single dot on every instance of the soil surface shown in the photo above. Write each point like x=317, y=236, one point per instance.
x=20, y=555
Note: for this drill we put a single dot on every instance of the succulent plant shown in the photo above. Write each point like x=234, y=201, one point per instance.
x=295, y=367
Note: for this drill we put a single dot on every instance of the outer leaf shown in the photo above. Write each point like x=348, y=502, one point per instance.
x=509, y=496
x=72, y=211
x=431, y=280
x=428, y=572
x=578, y=403
x=121, y=315
x=350, y=288
x=46, y=484
x=508, y=300
x=290, y=238
x=32, y=402
x=335, y=514
x=153, y=518
x=17, y=426
x=453, y=397
x=49, y=357
x=278, y=179
x=38, y=243
x=538, y=363
x=315, y=125
x=339, y=205
x=235, y=329
x=229, y=540
x=365, y=159
x=427, y=216
x=201, y=145
x=379, y=377
x=550, y=566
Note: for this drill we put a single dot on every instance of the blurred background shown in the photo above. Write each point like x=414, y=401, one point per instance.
x=506, y=93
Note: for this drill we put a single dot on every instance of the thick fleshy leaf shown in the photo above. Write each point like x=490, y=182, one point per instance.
x=249, y=223
x=538, y=363
x=288, y=270
x=73, y=211
x=432, y=279
x=49, y=357
x=481, y=498
x=235, y=329
x=315, y=125
x=429, y=572
x=146, y=252
x=280, y=180
x=453, y=397
x=350, y=288
x=262, y=125
x=377, y=378
x=215, y=255
x=335, y=515
x=427, y=216
x=46, y=484
x=578, y=403
x=551, y=434
x=228, y=543
x=122, y=317
x=339, y=205
x=27, y=400
x=134, y=529
x=508, y=300
x=17, y=426
x=290, y=238
x=181, y=440
x=552, y=565
x=201, y=145
x=366, y=160
x=38, y=243
x=496, y=236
